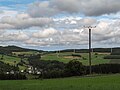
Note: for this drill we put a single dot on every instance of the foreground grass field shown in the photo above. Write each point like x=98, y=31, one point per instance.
x=108, y=82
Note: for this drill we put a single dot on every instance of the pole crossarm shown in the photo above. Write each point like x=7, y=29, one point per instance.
x=89, y=27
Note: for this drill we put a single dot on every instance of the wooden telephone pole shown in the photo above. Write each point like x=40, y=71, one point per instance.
x=90, y=50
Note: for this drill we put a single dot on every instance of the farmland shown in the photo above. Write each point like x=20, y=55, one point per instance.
x=12, y=60
x=104, y=82
x=19, y=56
x=67, y=56
x=62, y=57
x=95, y=82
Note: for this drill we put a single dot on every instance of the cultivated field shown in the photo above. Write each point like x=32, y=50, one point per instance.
x=62, y=57
x=11, y=60
x=67, y=56
x=108, y=82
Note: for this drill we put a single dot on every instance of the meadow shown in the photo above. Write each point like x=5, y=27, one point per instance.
x=102, y=82
x=11, y=60
x=62, y=57
x=66, y=57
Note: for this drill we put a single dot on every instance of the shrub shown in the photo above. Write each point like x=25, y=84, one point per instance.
x=74, y=68
x=112, y=57
x=76, y=55
x=106, y=68
x=12, y=76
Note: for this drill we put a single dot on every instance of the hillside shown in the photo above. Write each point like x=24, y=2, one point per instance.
x=10, y=49
x=13, y=53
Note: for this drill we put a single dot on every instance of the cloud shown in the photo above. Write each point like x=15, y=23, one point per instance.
x=100, y=7
x=6, y=26
x=1, y=12
x=85, y=7
x=23, y=21
x=74, y=22
x=51, y=27
x=14, y=36
x=64, y=37
x=41, y=9
x=45, y=33
x=6, y=12
x=106, y=33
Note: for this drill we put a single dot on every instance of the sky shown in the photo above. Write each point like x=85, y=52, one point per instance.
x=59, y=24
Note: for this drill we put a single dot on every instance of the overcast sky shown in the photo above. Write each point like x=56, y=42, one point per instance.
x=59, y=24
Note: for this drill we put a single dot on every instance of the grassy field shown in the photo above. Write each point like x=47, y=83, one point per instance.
x=66, y=57
x=115, y=61
x=10, y=60
x=108, y=82
x=26, y=53
x=62, y=57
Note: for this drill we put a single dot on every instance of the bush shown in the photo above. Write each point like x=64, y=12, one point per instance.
x=84, y=58
x=1, y=58
x=96, y=53
x=106, y=68
x=74, y=68
x=12, y=77
x=76, y=55
x=112, y=57
x=7, y=68
x=53, y=74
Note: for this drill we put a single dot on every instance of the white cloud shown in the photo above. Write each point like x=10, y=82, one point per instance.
x=14, y=36
x=6, y=26
x=106, y=30
x=6, y=12
x=23, y=21
x=52, y=28
x=86, y=7
x=73, y=22
x=41, y=9
x=45, y=33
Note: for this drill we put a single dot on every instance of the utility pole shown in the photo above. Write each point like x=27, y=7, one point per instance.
x=74, y=50
x=58, y=52
x=90, y=50
x=111, y=50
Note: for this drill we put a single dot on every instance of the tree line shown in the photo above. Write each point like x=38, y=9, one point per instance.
x=8, y=72
x=56, y=69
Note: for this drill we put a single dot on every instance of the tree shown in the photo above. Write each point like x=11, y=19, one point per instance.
x=74, y=68
x=2, y=57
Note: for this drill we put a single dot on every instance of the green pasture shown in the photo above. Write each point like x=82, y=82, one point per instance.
x=67, y=56
x=62, y=57
x=11, y=60
x=26, y=53
x=105, y=82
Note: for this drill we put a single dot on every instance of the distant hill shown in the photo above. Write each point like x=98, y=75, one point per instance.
x=10, y=49
x=102, y=50
x=115, y=50
x=76, y=50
